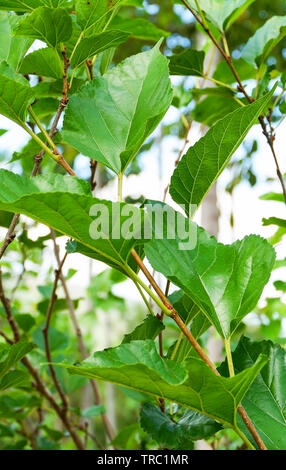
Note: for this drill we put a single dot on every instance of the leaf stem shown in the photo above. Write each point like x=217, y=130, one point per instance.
x=244, y=438
x=120, y=180
x=40, y=126
x=229, y=357
x=54, y=155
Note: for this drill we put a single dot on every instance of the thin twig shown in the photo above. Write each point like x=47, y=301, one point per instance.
x=242, y=89
x=46, y=336
x=38, y=382
x=82, y=349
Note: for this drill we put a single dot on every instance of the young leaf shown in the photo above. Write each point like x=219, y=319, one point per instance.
x=43, y=62
x=222, y=13
x=265, y=401
x=138, y=366
x=275, y=221
x=65, y=203
x=111, y=117
x=48, y=25
x=204, y=162
x=224, y=281
x=90, y=46
x=192, y=426
x=264, y=40
x=149, y=329
x=188, y=62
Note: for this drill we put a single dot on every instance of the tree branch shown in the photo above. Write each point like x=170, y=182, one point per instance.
x=241, y=88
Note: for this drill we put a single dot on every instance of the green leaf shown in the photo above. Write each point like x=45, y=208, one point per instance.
x=193, y=317
x=138, y=366
x=203, y=163
x=43, y=62
x=192, y=426
x=264, y=40
x=138, y=28
x=88, y=47
x=15, y=97
x=188, y=62
x=25, y=321
x=15, y=378
x=93, y=411
x=48, y=25
x=12, y=49
x=272, y=197
x=224, y=281
x=64, y=203
x=265, y=401
x=5, y=36
x=5, y=219
x=275, y=221
x=212, y=108
x=222, y=13
x=149, y=329
x=91, y=15
x=16, y=352
x=111, y=117
x=29, y=5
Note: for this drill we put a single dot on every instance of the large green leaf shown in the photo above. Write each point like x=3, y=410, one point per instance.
x=204, y=162
x=222, y=13
x=43, y=62
x=264, y=40
x=65, y=204
x=29, y=5
x=138, y=366
x=52, y=26
x=15, y=96
x=265, y=401
x=225, y=281
x=90, y=46
x=190, y=427
x=110, y=118
x=188, y=62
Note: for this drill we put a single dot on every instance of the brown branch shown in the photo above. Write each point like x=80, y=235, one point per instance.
x=93, y=167
x=10, y=235
x=175, y=316
x=89, y=65
x=81, y=346
x=241, y=88
x=46, y=336
x=38, y=382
